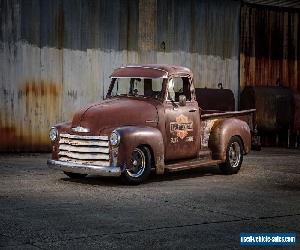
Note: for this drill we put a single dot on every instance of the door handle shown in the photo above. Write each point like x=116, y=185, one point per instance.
x=193, y=110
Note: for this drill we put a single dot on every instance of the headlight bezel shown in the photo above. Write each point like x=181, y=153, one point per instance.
x=114, y=138
x=53, y=134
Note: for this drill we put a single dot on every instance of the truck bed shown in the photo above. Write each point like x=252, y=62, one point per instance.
x=245, y=115
x=205, y=114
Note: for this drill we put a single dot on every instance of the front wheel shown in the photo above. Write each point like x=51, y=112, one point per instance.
x=234, y=156
x=140, y=167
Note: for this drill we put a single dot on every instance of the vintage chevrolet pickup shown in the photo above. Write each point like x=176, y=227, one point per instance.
x=150, y=119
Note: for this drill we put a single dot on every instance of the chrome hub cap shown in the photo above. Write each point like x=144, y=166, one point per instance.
x=234, y=154
x=138, y=164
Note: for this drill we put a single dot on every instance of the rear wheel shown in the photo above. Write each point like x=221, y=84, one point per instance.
x=75, y=175
x=140, y=167
x=234, y=156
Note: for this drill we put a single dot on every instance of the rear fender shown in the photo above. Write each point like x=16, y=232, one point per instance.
x=134, y=136
x=221, y=133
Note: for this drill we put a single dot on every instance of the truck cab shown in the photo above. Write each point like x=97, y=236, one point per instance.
x=149, y=120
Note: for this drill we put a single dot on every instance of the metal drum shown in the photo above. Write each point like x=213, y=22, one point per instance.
x=274, y=107
x=215, y=99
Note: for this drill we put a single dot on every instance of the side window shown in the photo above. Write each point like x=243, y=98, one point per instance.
x=179, y=86
x=136, y=86
x=152, y=87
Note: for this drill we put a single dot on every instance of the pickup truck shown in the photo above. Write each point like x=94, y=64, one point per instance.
x=150, y=120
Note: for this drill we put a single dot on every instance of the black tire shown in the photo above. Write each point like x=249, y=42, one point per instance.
x=234, y=156
x=140, y=169
x=75, y=175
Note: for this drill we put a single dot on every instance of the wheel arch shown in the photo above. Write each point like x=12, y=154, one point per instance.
x=223, y=131
x=137, y=136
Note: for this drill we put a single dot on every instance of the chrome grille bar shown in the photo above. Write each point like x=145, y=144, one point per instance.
x=83, y=142
x=93, y=150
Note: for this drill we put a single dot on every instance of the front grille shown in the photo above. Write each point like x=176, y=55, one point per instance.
x=88, y=150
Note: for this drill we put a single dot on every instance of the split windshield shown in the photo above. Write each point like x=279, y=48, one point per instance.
x=138, y=87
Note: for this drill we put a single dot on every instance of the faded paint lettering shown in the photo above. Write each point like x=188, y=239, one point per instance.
x=174, y=139
x=181, y=127
x=189, y=139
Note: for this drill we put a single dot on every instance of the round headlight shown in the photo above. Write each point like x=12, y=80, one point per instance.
x=114, y=138
x=53, y=134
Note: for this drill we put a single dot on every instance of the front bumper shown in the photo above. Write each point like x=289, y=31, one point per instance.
x=83, y=169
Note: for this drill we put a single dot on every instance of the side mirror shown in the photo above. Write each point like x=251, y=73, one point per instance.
x=182, y=100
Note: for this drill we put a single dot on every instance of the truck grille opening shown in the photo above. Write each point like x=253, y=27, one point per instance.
x=88, y=150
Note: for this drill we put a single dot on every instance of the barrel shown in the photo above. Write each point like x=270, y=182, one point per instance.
x=215, y=99
x=274, y=106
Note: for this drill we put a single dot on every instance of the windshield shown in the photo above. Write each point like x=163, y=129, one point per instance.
x=139, y=87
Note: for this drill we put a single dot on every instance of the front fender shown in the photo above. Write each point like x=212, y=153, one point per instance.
x=221, y=133
x=134, y=136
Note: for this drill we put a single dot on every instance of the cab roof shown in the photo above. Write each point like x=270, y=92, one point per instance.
x=152, y=71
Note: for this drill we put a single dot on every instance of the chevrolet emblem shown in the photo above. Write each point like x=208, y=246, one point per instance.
x=81, y=129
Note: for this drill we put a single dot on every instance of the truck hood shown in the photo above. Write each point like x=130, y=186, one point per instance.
x=106, y=115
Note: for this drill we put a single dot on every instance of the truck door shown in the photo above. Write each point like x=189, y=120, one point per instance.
x=182, y=122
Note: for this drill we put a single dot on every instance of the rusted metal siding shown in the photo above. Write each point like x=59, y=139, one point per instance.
x=31, y=77
x=277, y=3
x=202, y=35
x=57, y=55
x=270, y=48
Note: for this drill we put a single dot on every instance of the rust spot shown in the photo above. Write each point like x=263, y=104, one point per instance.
x=9, y=138
x=7, y=131
x=40, y=88
x=11, y=141
x=26, y=129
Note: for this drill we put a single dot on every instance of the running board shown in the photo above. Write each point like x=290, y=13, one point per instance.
x=184, y=165
x=204, y=154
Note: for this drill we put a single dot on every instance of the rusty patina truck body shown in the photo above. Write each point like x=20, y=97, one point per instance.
x=150, y=119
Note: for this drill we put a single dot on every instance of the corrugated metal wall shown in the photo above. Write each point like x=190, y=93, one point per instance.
x=276, y=3
x=270, y=47
x=56, y=56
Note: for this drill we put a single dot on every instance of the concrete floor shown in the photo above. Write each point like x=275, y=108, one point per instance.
x=198, y=209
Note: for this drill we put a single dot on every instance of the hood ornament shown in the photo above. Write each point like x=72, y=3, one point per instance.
x=81, y=129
